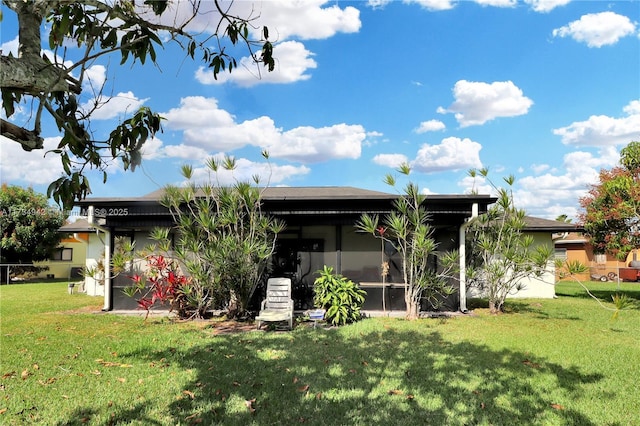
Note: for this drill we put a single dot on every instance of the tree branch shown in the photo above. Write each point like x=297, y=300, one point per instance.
x=27, y=138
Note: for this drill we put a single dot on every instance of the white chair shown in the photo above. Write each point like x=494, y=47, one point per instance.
x=278, y=305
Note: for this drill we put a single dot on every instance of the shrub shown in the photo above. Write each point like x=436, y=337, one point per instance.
x=339, y=296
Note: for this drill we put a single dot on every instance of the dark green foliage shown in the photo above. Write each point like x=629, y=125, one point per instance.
x=339, y=296
x=28, y=225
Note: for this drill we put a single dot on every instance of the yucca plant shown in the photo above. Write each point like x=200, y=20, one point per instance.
x=339, y=296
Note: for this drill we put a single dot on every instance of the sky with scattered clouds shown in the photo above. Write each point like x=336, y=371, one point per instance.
x=545, y=90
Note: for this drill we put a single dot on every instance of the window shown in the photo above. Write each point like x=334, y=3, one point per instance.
x=62, y=253
x=561, y=253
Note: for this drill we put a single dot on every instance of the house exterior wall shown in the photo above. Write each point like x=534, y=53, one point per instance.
x=603, y=267
x=575, y=252
x=95, y=254
x=535, y=287
x=67, y=268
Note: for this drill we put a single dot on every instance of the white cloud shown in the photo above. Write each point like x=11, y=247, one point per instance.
x=269, y=174
x=451, y=154
x=551, y=194
x=477, y=185
x=601, y=130
x=390, y=160
x=210, y=128
x=597, y=29
x=539, y=168
x=307, y=19
x=197, y=111
x=293, y=61
x=477, y=102
x=10, y=46
x=114, y=106
x=434, y=5
x=311, y=145
x=94, y=78
x=285, y=19
x=31, y=167
x=497, y=3
x=544, y=6
x=430, y=126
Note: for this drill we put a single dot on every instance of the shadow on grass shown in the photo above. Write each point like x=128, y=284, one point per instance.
x=83, y=416
x=375, y=373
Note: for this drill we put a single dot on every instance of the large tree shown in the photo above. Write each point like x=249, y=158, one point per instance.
x=28, y=226
x=611, y=215
x=50, y=84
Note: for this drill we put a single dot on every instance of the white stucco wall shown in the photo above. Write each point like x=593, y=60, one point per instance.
x=95, y=252
x=542, y=287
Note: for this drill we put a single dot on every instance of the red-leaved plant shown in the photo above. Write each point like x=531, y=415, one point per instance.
x=162, y=282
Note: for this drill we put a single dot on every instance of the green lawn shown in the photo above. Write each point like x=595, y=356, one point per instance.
x=546, y=362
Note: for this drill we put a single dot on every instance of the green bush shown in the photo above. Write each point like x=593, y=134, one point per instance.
x=339, y=296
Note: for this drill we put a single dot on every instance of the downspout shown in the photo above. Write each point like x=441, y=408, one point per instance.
x=463, y=258
x=107, y=258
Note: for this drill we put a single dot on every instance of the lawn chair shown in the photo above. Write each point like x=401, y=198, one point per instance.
x=278, y=305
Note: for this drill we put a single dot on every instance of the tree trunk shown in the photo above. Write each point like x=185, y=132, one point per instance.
x=413, y=304
x=495, y=306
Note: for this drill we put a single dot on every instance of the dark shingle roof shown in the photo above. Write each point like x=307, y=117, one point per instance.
x=545, y=225
x=80, y=225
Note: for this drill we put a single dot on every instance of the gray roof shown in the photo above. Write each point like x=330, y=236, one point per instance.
x=79, y=226
x=273, y=193
x=534, y=224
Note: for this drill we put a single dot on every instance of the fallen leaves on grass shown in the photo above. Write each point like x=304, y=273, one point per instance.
x=194, y=419
x=249, y=404
x=303, y=388
x=395, y=392
x=113, y=364
x=557, y=407
x=531, y=364
x=49, y=381
x=189, y=394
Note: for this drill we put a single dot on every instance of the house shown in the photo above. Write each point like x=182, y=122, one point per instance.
x=575, y=246
x=320, y=231
x=68, y=260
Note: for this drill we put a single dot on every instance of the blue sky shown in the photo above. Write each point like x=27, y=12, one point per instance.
x=545, y=90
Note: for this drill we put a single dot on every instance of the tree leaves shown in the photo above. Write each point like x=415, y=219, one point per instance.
x=104, y=27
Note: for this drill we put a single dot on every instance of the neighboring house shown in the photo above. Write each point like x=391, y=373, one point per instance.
x=574, y=246
x=320, y=231
x=69, y=258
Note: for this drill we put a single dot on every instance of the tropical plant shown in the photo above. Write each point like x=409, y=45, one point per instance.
x=339, y=296
x=501, y=255
x=163, y=282
x=408, y=230
x=223, y=240
x=611, y=216
x=56, y=84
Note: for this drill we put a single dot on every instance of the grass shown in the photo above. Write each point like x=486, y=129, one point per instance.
x=545, y=362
